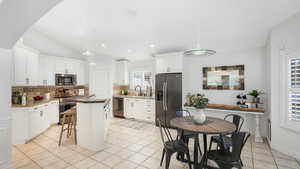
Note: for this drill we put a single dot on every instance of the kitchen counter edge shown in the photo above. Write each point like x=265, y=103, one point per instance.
x=133, y=97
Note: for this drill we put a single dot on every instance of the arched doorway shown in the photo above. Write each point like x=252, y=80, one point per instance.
x=16, y=17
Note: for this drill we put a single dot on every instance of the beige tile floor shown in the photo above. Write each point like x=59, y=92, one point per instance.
x=129, y=145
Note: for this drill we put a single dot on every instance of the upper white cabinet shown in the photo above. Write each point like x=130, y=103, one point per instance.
x=169, y=62
x=26, y=61
x=66, y=66
x=31, y=68
x=46, y=70
x=121, y=73
x=81, y=73
x=51, y=65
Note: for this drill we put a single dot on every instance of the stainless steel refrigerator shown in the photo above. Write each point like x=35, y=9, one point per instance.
x=168, y=96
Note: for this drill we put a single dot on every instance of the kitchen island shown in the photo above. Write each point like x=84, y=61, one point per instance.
x=92, y=121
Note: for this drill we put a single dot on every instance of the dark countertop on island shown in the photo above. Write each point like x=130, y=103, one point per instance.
x=86, y=100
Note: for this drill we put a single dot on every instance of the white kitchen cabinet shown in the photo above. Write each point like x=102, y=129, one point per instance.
x=66, y=65
x=26, y=61
x=169, y=62
x=28, y=123
x=38, y=121
x=81, y=73
x=127, y=108
x=34, y=122
x=20, y=123
x=121, y=72
x=141, y=109
x=60, y=66
x=71, y=66
x=53, y=112
x=46, y=70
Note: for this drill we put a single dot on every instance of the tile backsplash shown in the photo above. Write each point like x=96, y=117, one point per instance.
x=55, y=91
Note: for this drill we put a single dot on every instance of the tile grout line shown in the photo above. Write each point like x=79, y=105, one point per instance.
x=27, y=157
x=60, y=157
x=252, y=154
x=52, y=152
x=273, y=156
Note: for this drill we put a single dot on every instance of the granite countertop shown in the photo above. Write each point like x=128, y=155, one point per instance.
x=135, y=97
x=82, y=99
x=36, y=103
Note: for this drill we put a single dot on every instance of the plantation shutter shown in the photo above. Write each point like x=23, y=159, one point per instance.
x=294, y=90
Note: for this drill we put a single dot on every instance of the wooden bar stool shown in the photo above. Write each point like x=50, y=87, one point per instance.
x=69, y=119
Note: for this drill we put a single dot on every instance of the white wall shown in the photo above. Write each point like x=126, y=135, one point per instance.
x=47, y=45
x=254, y=61
x=17, y=16
x=5, y=113
x=254, y=73
x=284, y=38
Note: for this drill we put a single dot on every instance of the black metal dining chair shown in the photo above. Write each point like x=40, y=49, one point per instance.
x=185, y=136
x=172, y=146
x=227, y=159
x=224, y=141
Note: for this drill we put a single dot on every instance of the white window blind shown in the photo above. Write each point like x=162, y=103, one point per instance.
x=294, y=90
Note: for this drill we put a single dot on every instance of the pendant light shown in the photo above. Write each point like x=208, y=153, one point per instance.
x=199, y=52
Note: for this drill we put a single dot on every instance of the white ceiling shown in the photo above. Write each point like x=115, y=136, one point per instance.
x=172, y=25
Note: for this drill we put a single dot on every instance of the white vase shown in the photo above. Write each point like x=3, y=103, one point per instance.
x=199, y=116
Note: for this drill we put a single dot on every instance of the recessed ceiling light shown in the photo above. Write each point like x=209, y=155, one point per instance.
x=87, y=53
x=129, y=51
x=103, y=45
x=152, y=46
x=92, y=64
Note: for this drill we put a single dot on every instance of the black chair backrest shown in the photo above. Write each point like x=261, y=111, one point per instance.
x=239, y=139
x=237, y=120
x=164, y=132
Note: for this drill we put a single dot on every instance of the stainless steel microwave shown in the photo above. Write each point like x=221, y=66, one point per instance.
x=65, y=79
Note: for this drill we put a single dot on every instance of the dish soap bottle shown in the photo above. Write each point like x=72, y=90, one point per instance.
x=24, y=99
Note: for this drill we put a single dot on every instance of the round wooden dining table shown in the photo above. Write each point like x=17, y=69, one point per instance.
x=210, y=126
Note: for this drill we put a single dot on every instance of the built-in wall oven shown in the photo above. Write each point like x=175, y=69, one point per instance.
x=65, y=79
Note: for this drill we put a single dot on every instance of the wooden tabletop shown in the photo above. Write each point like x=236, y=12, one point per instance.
x=211, y=126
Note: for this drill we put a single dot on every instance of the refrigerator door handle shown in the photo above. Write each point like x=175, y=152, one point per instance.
x=164, y=106
x=166, y=96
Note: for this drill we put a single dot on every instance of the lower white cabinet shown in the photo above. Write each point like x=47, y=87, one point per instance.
x=28, y=123
x=53, y=112
x=141, y=109
x=36, y=122
x=20, y=125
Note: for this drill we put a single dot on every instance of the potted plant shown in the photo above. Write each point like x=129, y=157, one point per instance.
x=199, y=102
x=255, y=95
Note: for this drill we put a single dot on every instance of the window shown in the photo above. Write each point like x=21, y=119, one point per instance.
x=294, y=90
x=141, y=78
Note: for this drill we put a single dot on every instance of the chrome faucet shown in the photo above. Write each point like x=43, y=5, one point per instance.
x=138, y=86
